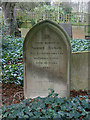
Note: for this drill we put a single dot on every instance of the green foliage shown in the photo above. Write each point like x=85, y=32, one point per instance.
x=13, y=74
x=50, y=107
x=12, y=48
x=46, y=8
x=4, y=27
x=26, y=5
x=40, y=12
x=80, y=45
x=67, y=8
x=12, y=55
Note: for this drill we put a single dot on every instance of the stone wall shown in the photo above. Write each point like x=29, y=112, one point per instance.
x=75, y=32
x=79, y=70
x=78, y=32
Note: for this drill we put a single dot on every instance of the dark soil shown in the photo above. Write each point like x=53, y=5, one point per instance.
x=14, y=94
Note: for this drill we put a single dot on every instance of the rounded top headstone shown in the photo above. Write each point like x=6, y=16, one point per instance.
x=57, y=28
x=47, y=56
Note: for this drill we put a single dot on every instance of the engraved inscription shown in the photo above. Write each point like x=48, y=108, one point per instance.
x=46, y=53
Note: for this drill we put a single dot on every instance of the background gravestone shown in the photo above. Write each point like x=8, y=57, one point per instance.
x=47, y=54
x=78, y=32
x=67, y=27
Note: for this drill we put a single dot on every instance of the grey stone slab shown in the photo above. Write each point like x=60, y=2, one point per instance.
x=67, y=27
x=78, y=32
x=47, y=55
x=80, y=70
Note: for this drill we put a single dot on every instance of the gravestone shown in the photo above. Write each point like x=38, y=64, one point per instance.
x=47, y=54
x=24, y=31
x=78, y=32
x=67, y=27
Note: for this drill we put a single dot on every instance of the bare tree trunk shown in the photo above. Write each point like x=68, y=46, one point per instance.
x=8, y=10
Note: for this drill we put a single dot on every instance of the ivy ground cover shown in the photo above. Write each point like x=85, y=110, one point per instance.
x=48, y=108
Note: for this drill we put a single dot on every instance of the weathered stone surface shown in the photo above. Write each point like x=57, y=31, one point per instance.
x=78, y=32
x=80, y=71
x=47, y=54
x=67, y=27
x=24, y=31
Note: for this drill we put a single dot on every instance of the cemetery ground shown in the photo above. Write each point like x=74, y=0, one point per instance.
x=50, y=107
